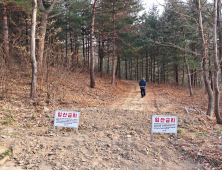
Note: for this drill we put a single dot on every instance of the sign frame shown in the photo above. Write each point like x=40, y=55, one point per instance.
x=162, y=130
x=67, y=115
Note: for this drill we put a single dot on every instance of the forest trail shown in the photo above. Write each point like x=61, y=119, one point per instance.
x=156, y=99
x=133, y=100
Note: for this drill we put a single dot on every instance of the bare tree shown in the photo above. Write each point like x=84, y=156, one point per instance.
x=32, y=54
x=204, y=60
x=188, y=69
x=92, y=81
x=216, y=65
x=42, y=31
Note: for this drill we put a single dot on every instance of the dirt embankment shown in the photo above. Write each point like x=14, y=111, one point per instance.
x=117, y=136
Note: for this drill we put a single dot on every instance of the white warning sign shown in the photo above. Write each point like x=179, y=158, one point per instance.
x=66, y=119
x=164, y=124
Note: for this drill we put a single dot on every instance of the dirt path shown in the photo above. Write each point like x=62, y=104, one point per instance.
x=133, y=100
x=116, y=137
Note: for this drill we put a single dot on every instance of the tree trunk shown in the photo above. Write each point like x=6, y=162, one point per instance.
x=99, y=54
x=164, y=74
x=102, y=57
x=77, y=58
x=219, y=19
x=86, y=51
x=151, y=67
x=26, y=33
x=191, y=76
x=154, y=68
x=126, y=67
x=216, y=66
x=167, y=77
x=137, y=68
x=158, y=72
x=119, y=69
x=108, y=65
x=183, y=76
x=92, y=81
x=211, y=79
x=185, y=59
x=5, y=33
x=70, y=34
x=83, y=50
x=195, y=77
x=62, y=56
x=176, y=74
x=131, y=70
x=108, y=62
x=188, y=76
x=204, y=64
x=147, y=73
x=66, y=47
x=113, y=63
x=142, y=67
x=57, y=55
x=41, y=44
x=32, y=52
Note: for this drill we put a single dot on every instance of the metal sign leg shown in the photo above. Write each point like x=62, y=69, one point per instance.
x=151, y=137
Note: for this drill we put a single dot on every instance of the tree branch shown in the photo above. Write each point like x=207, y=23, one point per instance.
x=48, y=1
x=51, y=6
x=52, y=16
x=3, y=16
x=41, y=6
x=183, y=49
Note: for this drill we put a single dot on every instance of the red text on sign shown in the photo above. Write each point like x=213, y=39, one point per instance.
x=156, y=119
x=167, y=120
x=162, y=120
x=59, y=114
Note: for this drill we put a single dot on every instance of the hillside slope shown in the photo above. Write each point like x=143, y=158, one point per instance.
x=114, y=127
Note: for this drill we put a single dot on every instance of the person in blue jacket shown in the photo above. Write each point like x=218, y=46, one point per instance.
x=142, y=85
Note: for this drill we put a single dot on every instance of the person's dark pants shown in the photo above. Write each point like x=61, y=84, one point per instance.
x=143, y=92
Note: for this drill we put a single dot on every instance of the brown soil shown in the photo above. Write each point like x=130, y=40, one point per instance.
x=114, y=133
